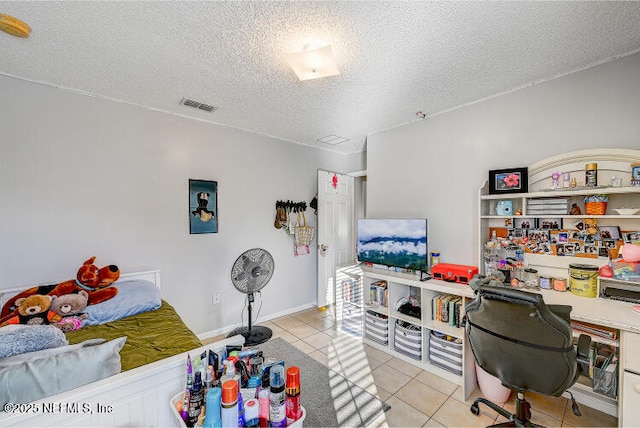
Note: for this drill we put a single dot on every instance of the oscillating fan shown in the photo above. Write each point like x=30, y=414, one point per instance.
x=250, y=272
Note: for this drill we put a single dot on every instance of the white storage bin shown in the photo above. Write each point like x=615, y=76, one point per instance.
x=444, y=353
x=408, y=339
x=376, y=327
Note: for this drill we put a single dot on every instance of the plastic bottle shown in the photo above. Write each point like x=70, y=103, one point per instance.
x=263, y=400
x=435, y=258
x=229, y=404
x=207, y=380
x=252, y=413
x=184, y=412
x=196, y=397
x=213, y=400
x=277, y=410
x=294, y=412
x=240, y=407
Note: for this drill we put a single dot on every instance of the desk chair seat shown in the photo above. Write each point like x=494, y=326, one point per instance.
x=526, y=344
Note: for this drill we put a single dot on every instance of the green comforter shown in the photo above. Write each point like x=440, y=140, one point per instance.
x=151, y=336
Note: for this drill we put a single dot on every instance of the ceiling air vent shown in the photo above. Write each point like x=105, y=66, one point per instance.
x=197, y=104
x=332, y=139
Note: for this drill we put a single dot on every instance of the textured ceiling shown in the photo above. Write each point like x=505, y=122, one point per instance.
x=395, y=58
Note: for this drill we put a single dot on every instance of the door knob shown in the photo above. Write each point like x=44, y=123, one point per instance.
x=323, y=249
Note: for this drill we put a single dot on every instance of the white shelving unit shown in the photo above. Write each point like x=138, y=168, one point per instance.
x=610, y=163
x=400, y=286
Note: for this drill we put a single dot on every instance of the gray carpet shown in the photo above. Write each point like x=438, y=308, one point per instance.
x=329, y=399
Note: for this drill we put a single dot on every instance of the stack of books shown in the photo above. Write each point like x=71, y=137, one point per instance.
x=379, y=293
x=447, y=308
x=548, y=206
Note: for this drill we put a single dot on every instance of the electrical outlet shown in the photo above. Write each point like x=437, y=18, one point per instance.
x=216, y=298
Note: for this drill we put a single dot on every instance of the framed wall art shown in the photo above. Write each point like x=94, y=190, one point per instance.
x=511, y=180
x=203, y=206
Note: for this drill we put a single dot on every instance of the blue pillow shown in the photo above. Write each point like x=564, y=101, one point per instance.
x=134, y=297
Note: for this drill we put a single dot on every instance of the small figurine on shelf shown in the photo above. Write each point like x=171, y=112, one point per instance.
x=575, y=210
x=555, y=180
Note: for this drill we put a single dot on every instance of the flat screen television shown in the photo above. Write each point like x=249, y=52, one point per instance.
x=399, y=243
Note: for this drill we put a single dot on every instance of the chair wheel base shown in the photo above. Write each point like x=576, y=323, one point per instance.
x=475, y=409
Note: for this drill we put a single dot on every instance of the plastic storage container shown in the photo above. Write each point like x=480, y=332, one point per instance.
x=491, y=387
x=180, y=423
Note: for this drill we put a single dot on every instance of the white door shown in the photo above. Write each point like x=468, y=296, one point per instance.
x=335, y=230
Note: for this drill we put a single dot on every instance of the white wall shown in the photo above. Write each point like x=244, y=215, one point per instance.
x=83, y=176
x=434, y=168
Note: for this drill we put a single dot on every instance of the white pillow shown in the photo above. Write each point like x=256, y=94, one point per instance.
x=32, y=380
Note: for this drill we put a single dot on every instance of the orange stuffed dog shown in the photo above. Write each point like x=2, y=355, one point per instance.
x=90, y=278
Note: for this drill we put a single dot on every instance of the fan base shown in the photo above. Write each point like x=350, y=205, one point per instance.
x=257, y=335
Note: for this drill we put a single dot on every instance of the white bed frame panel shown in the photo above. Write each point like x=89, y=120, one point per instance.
x=139, y=397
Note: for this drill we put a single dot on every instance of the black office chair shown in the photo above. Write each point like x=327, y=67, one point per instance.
x=526, y=344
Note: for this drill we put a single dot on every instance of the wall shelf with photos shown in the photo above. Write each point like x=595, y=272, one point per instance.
x=554, y=220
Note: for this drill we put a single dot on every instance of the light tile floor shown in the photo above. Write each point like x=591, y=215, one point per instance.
x=417, y=398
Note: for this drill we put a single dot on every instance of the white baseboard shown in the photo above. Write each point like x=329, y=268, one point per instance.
x=217, y=332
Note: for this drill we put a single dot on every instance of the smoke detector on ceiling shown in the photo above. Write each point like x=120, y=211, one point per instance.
x=197, y=104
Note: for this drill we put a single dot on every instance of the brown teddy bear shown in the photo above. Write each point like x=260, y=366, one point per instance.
x=90, y=278
x=34, y=310
x=70, y=307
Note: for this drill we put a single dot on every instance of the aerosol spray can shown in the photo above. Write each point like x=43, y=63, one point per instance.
x=294, y=412
x=229, y=410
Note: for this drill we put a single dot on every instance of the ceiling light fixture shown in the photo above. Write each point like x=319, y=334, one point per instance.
x=14, y=26
x=313, y=63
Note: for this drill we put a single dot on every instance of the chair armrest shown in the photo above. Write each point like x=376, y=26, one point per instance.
x=584, y=346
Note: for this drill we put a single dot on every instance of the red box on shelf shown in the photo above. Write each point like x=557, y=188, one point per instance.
x=453, y=273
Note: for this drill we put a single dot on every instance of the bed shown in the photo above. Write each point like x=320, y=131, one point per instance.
x=151, y=369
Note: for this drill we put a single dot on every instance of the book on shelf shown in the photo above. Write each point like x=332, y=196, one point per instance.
x=379, y=293
x=447, y=308
x=596, y=330
x=548, y=201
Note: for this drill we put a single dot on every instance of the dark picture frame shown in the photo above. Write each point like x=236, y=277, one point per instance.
x=203, y=206
x=509, y=180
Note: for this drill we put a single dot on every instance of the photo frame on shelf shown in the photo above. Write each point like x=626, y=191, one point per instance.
x=509, y=180
x=203, y=206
